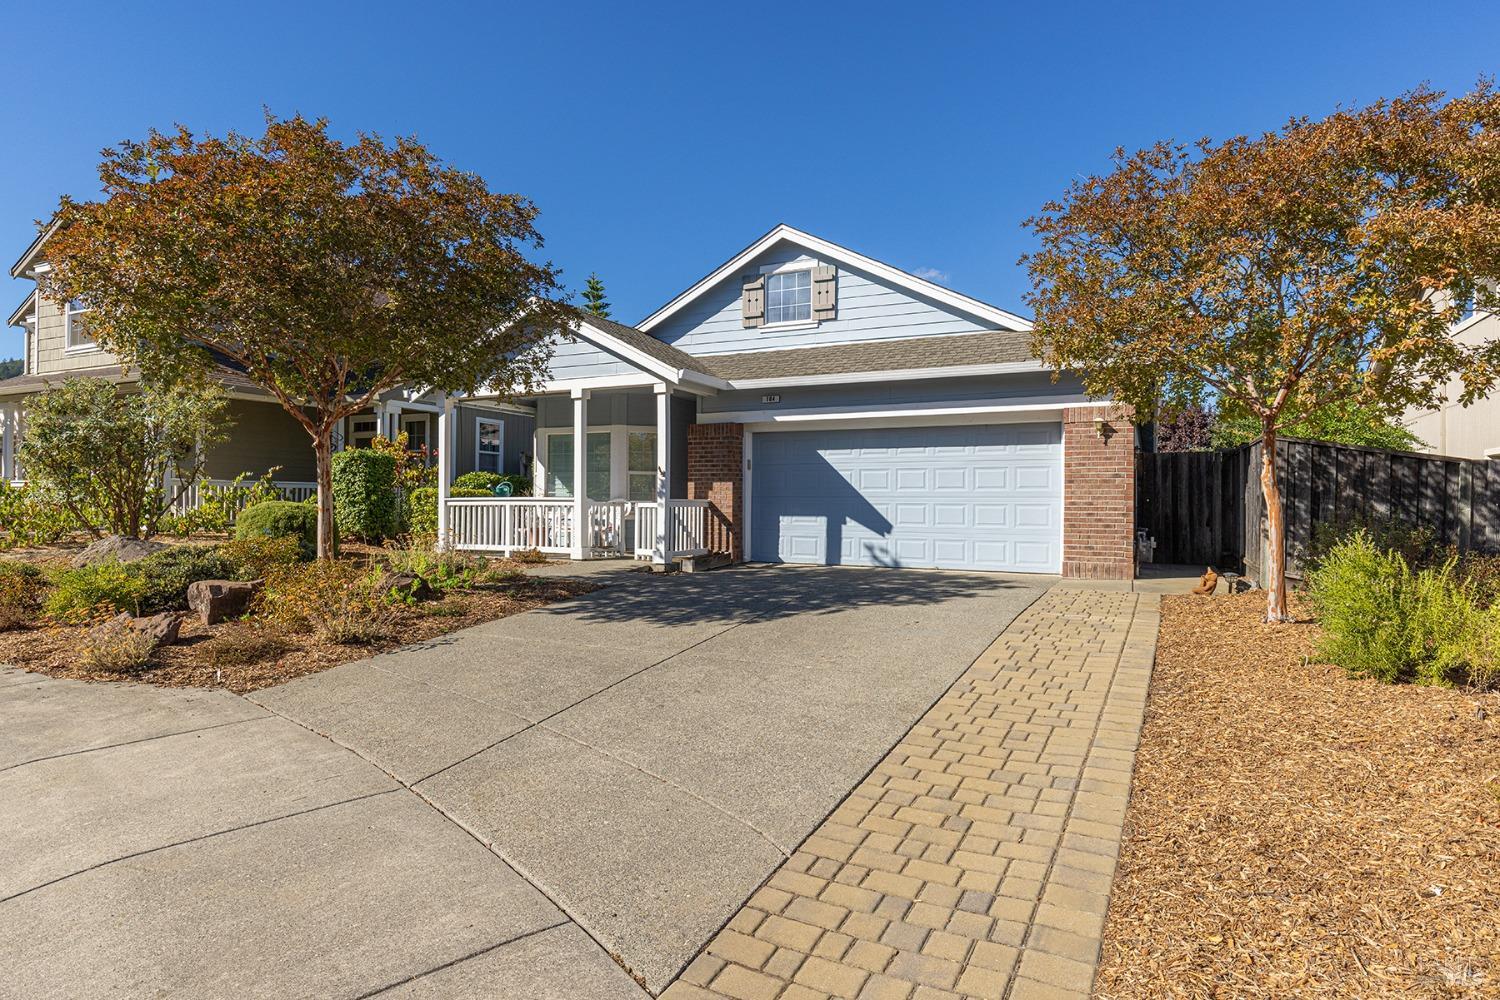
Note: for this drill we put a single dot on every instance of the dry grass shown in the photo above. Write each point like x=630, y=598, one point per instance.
x=224, y=656
x=1295, y=833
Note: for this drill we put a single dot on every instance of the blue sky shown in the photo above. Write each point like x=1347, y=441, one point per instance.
x=660, y=139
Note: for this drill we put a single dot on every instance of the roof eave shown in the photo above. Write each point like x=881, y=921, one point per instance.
x=18, y=318
x=18, y=270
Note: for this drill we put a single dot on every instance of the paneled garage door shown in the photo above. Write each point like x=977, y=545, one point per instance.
x=982, y=496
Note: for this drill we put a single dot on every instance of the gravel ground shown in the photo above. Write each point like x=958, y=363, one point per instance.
x=1295, y=833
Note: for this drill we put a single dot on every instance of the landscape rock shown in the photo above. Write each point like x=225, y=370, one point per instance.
x=216, y=600
x=161, y=629
x=116, y=548
x=408, y=585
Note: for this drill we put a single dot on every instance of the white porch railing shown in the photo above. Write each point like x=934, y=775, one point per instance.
x=193, y=496
x=511, y=524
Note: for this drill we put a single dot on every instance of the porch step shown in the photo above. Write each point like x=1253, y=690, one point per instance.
x=699, y=564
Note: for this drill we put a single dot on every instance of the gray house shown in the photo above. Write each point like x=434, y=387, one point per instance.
x=805, y=403
x=488, y=435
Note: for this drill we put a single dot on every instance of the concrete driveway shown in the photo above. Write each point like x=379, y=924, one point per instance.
x=531, y=808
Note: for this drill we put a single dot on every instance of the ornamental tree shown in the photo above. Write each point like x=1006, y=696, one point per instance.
x=326, y=273
x=595, y=300
x=105, y=452
x=1283, y=274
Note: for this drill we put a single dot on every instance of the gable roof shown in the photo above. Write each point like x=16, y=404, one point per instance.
x=27, y=303
x=1004, y=350
x=643, y=350
x=834, y=252
x=20, y=266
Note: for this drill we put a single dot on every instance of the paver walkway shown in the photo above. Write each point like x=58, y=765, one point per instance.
x=976, y=858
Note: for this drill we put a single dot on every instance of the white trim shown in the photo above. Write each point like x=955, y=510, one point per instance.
x=843, y=255
x=895, y=375
x=640, y=380
x=619, y=456
x=911, y=411
x=92, y=347
x=797, y=266
x=498, y=422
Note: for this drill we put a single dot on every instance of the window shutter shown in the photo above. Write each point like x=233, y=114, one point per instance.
x=825, y=298
x=753, y=300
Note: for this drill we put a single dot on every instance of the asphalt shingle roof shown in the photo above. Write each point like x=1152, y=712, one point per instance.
x=647, y=344
x=997, y=347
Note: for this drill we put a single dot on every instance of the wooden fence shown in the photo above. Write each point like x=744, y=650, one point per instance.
x=1206, y=507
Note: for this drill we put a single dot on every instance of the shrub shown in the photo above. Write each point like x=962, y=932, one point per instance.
x=29, y=515
x=443, y=571
x=336, y=601
x=364, y=494
x=87, y=592
x=21, y=587
x=166, y=574
x=529, y=556
x=422, y=508
x=114, y=647
x=487, y=481
x=280, y=519
x=239, y=646
x=256, y=557
x=1383, y=619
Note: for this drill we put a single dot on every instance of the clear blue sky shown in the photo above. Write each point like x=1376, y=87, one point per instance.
x=659, y=139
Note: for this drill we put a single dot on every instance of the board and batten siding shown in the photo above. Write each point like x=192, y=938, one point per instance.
x=867, y=309
x=1022, y=386
x=263, y=435
x=52, y=356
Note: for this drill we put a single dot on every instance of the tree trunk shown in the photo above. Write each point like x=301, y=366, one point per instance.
x=1275, y=554
x=323, y=450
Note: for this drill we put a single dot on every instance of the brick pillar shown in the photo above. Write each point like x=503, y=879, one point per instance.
x=716, y=473
x=1098, y=493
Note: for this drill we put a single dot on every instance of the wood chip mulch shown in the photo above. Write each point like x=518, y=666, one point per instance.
x=1296, y=833
x=190, y=663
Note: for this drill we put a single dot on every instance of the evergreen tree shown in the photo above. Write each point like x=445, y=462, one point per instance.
x=593, y=297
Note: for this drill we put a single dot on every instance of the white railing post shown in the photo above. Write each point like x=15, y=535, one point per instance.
x=660, y=546
x=8, y=442
x=581, y=542
x=445, y=466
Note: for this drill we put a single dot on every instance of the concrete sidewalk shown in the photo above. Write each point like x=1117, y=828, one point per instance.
x=976, y=859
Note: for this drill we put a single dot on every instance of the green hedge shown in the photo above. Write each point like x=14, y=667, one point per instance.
x=422, y=507
x=105, y=588
x=520, y=486
x=364, y=494
x=280, y=519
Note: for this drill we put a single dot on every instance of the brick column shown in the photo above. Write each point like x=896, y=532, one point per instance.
x=716, y=473
x=1098, y=493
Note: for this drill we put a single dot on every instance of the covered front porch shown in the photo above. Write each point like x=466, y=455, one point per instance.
x=625, y=443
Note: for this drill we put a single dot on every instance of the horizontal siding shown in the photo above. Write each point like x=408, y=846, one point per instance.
x=873, y=394
x=580, y=359
x=263, y=435
x=51, y=344
x=868, y=309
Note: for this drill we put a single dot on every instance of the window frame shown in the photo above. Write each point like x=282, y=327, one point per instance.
x=422, y=419
x=549, y=468
x=499, y=452
x=767, y=272
x=69, y=347
x=631, y=474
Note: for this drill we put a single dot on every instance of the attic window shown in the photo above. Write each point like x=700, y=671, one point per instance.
x=78, y=335
x=789, y=296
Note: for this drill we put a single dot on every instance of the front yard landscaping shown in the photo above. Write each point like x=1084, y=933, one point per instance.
x=1296, y=831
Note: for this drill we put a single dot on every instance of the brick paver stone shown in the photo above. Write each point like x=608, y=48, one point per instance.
x=976, y=859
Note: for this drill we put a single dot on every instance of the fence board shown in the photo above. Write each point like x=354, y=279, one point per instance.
x=1206, y=507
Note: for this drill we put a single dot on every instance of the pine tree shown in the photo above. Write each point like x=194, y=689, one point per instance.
x=593, y=297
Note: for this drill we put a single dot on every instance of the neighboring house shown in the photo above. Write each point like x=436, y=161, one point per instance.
x=804, y=403
x=1471, y=431
x=264, y=437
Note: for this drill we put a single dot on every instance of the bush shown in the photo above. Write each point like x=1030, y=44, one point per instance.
x=422, y=508
x=239, y=646
x=166, y=574
x=487, y=481
x=364, y=494
x=88, y=592
x=1383, y=619
x=336, y=601
x=116, y=648
x=281, y=519
x=443, y=571
x=256, y=557
x=29, y=515
x=21, y=586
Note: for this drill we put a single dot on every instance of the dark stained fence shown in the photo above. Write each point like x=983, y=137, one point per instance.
x=1206, y=507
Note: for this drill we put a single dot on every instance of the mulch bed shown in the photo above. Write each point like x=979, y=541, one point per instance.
x=1296, y=833
x=191, y=663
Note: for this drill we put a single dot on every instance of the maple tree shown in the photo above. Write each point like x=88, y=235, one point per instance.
x=327, y=273
x=1316, y=264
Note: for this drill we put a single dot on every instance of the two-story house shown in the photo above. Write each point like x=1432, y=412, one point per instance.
x=1471, y=431
x=805, y=403
x=263, y=437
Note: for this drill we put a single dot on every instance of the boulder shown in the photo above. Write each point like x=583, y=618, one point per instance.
x=161, y=629
x=216, y=600
x=406, y=585
x=116, y=548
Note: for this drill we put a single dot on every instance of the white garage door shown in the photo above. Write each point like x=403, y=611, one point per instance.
x=982, y=496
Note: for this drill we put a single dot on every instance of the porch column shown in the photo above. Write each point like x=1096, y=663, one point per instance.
x=7, y=442
x=660, y=547
x=581, y=530
x=446, y=425
x=393, y=421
